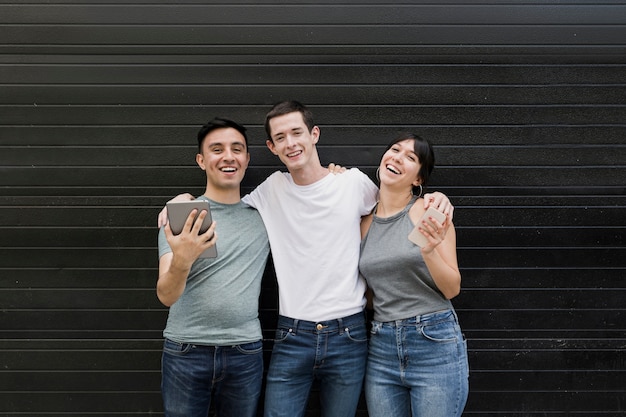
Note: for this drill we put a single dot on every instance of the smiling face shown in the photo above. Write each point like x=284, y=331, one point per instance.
x=224, y=157
x=400, y=165
x=292, y=141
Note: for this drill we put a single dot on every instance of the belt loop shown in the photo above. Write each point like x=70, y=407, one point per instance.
x=340, y=325
x=456, y=318
x=294, y=327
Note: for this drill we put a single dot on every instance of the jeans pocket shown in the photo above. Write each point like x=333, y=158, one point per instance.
x=440, y=332
x=281, y=335
x=250, y=348
x=356, y=333
x=175, y=348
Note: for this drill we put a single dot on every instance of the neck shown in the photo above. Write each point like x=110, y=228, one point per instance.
x=308, y=175
x=224, y=196
x=392, y=202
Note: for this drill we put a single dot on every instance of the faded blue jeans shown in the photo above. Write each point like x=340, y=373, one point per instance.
x=417, y=367
x=333, y=352
x=195, y=375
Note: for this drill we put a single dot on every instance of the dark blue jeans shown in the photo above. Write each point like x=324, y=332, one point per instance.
x=194, y=375
x=333, y=352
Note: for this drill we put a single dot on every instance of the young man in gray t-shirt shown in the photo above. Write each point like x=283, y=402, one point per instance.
x=213, y=344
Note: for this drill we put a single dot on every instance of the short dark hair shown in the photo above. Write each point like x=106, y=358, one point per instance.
x=286, y=107
x=424, y=151
x=219, y=123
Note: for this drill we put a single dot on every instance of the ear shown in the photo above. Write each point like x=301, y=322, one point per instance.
x=200, y=161
x=417, y=182
x=271, y=147
x=315, y=133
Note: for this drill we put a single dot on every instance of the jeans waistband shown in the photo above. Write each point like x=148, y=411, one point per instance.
x=423, y=318
x=325, y=326
x=214, y=347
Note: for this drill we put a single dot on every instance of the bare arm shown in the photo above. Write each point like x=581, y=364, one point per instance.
x=440, y=256
x=174, y=267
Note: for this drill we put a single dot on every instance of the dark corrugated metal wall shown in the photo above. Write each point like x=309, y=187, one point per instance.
x=525, y=101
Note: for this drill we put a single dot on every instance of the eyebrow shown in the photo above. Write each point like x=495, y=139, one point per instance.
x=213, y=144
x=411, y=151
x=291, y=129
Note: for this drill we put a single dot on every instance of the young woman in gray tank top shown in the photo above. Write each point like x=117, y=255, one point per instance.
x=417, y=362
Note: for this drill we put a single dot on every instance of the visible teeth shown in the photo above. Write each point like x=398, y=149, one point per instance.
x=294, y=153
x=228, y=169
x=392, y=169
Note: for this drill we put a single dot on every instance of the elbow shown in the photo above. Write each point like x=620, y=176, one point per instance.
x=451, y=293
x=454, y=289
x=164, y=300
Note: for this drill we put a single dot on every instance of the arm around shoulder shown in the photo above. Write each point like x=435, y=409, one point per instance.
x=439, y=201
x=162, y=217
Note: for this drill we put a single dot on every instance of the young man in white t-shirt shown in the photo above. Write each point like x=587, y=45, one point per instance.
x=312, y=219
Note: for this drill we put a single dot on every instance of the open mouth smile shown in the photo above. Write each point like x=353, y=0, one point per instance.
x=393, y=169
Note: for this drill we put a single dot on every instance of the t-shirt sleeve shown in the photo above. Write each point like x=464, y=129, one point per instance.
x=369, y=192
x=164, y=247
x=258, y=196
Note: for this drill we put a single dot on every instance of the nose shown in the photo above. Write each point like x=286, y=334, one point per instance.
x=228, y=155
x=289, y=141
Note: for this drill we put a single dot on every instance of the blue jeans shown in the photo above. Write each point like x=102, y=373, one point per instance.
x=333, y=352
x=193, y=375
x=417, y=367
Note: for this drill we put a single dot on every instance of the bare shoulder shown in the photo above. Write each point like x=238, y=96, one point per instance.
x=417, y=210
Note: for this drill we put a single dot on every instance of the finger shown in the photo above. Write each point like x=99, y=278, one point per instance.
x=168, y=230
x=207, y=236
x=182, y=197
x=189, y=223
x=431, y=238
x=209, y=241
x=208, y=233
x=162, y=217
x=435, y=229
x=445, y=207
x=335, y=168
x=430, y=200
x=197, y=227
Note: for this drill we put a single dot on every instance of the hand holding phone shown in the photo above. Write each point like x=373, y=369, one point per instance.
x=416, y=236
x=178, y=212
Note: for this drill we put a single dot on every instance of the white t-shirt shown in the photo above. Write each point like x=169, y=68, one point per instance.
x=315, y=239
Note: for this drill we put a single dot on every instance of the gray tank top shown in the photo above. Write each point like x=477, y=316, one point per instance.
x=394, y=269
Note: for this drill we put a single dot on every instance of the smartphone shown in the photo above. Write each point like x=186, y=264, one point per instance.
x=416, y=236
x=177, y=213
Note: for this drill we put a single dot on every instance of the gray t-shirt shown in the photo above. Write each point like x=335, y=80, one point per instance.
x=394, y=269
x=220, y=304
